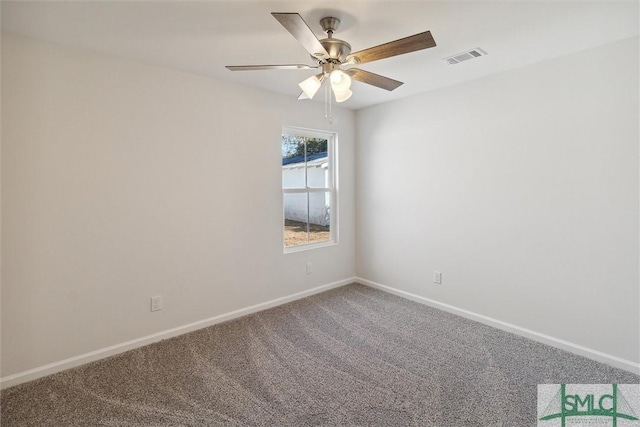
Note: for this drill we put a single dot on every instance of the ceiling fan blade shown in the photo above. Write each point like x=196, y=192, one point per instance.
x=269, y=67
x=374, y=79
x=294, y=23
x=398, y=47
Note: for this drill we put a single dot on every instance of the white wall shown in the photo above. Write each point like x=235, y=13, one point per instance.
x=522, y=188
x=121, y=181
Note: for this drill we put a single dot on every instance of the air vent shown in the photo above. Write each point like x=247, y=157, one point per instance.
x=465, y=56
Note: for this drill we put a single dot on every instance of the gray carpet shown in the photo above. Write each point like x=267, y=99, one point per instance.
x=349, y=356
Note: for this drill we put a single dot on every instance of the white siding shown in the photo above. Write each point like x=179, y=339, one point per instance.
x=295, y=206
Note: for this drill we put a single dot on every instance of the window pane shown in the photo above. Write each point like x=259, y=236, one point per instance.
x=318, y=171
x=304, y=162
x=293, y=162
x=317, y=162
x=319, y=216
x=293, y=175
x=295, y=219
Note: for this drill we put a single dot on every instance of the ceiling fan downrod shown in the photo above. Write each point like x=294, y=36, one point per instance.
x=329, y=24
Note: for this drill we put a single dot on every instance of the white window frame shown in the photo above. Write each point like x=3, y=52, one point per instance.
x=332, y=188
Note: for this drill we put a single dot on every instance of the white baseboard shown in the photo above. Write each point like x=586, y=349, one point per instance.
x=72, y=362
x=580, y=350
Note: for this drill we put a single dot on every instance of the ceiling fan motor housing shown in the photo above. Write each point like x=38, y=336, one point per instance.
x=337, y=49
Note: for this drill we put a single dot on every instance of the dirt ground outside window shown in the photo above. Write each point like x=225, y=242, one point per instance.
x=295, y=233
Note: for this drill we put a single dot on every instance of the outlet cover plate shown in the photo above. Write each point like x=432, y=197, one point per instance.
x=156, y=303
x=437, y=277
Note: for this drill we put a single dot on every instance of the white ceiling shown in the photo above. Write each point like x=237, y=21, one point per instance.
x=204, y=36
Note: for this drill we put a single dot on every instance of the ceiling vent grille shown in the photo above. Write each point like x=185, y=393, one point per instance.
x=465, y=56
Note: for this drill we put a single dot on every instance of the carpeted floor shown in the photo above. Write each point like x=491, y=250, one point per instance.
x=349, y=356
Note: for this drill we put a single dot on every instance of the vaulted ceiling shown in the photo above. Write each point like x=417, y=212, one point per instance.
x=202, y=37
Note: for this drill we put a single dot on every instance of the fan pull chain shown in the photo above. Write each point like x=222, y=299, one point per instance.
x=327, y=103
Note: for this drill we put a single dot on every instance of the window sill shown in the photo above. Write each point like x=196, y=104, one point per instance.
x=309, y=246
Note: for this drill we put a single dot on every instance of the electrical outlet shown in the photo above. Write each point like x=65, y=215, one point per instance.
x=437, y=277
x=156, y=303
x=309, y=267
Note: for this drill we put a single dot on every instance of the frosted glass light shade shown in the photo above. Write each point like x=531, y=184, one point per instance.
x=343, y=96
x=340, y=81
x=310, y=86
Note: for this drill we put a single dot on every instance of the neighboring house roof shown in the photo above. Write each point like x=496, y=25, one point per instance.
x=300, y=159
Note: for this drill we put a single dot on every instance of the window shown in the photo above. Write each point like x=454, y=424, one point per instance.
x=308, y=188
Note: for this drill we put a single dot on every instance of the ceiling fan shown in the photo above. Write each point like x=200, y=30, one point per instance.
x=329, y=54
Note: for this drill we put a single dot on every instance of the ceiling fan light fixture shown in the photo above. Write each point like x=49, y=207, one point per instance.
x=340, y=81
x=311, y=85
x=343, y=96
